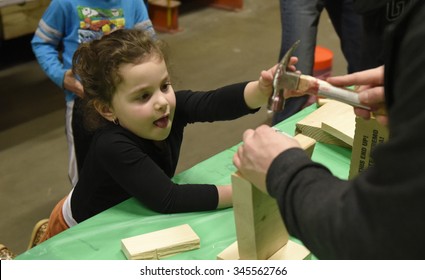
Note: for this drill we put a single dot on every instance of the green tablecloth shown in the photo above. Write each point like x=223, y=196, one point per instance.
x=99, y=238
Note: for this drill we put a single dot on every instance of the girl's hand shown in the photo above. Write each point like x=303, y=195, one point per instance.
x=257, y=93
x=265, y=82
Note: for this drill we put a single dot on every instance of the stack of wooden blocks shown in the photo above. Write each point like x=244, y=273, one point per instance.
x=335, y=123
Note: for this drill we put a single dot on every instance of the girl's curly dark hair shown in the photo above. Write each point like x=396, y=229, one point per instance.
x=97, y=63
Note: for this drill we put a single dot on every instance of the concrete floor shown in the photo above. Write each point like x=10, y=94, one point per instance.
x=214, y=48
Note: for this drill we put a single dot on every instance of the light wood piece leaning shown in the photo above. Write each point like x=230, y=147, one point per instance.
x=260, y=230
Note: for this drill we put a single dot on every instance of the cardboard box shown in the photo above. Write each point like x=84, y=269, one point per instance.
x=368, y=134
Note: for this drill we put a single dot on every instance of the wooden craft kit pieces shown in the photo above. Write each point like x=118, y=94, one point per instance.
x=332, y=123
x=160, y=244
x=291, y=251
x=260, y=230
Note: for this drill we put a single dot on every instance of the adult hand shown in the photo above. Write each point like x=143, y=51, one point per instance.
x=72, y=84
x=259, y=148
x=369, y=85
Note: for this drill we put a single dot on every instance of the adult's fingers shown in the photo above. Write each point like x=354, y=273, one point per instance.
x=247, y=134
x=368, y=77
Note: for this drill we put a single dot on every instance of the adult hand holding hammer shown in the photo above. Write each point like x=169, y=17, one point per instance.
x=369, y=85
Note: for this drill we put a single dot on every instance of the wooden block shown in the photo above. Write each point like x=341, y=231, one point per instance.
x=307, y=143
x=311, y=125
x=230, y=253
x=160, y=244
x=259, y=227
x=291, y=251
x=260, y=230
x=342, y=127
x=323, y=100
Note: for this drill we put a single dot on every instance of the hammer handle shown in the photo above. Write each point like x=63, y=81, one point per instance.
x=323, y=88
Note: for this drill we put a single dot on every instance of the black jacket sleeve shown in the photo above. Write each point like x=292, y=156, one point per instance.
x=134, y=170
x=226, y=103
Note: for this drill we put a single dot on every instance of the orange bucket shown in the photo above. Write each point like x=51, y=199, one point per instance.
x=323, y=58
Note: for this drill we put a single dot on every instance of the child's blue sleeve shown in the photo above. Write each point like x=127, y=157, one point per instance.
x=46, y=40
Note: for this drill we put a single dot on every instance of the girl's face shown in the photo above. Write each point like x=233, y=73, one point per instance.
x=144, y=101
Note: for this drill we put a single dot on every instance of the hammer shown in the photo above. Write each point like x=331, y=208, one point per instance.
x=294, y=81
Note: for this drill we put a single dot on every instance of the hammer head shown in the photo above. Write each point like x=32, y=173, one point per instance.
x=283, y=80
x=289, y=79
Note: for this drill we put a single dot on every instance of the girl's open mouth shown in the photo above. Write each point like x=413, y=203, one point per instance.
x=162, y=122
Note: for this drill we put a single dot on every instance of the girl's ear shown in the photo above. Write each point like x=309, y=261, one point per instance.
x=104, y=110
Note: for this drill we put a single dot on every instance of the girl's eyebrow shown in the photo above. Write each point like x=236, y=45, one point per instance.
x=138, y=89
x=141, y=88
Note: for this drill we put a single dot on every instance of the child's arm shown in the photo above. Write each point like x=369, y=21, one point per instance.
x=224, y=196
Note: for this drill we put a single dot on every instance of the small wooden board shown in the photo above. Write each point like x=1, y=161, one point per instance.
x=259, y=227
x=306, y=143
x=291, y=251
x=332, y=123
x=341, y=128
x=160, y=244
x=260, y=231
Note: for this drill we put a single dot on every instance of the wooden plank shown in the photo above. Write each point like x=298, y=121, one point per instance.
x=259, y=227
x=311, y=125
x=323, y=100
x=291, y=251
x=230, y=253
x=343, y=126
x=260, y=230
x=306, y=143
x=160, y=244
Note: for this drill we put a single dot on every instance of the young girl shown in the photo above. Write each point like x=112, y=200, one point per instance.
x=139, y=122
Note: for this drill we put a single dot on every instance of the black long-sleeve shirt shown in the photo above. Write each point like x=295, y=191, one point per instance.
x=381, y=213
x=377, y=16
x=121, y=165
